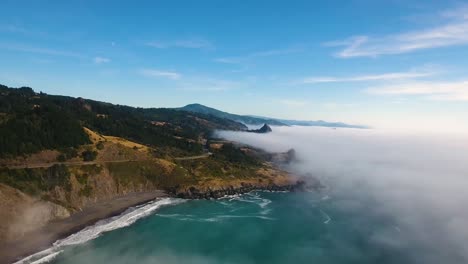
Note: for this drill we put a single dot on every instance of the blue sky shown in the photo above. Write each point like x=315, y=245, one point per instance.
x=391, y=64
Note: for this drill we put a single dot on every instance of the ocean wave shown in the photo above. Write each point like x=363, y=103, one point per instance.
x=328, y=218
x=252, y=197
x=246, y=216
x=47, y=258
x=127, y=218
x=216, y=218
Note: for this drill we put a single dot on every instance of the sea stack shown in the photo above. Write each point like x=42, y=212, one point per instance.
x=263, y=130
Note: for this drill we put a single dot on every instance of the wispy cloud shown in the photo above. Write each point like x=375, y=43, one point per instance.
x=13, y=29
x=197, y=43
x=371, y=77
x=453, y=32
x=17, y=29
x=39, y=50
x=258, y=54
x=100, y=60
x=445, y=91
x=160, y=74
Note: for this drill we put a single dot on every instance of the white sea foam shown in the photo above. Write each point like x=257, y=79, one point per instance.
x=246, y=216
x=252, y=197
x=328, y=218
x=125, y=219
x=47, y=258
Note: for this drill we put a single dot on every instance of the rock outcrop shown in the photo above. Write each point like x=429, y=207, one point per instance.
x=209, y=193
x=263, y=130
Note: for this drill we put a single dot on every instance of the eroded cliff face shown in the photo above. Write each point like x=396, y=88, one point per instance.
x=21, y=213
x=38, y=196
x=89, y=184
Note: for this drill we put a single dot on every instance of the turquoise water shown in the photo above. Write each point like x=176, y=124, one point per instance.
x=258, y=227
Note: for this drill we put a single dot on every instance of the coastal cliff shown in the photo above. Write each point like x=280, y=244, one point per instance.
x=66, y=163
x=36, y=191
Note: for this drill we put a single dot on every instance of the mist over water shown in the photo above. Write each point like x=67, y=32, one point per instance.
x=389, y=198
x=417, y=184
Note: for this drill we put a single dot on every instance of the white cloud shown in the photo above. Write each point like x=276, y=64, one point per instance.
x=187, y=43
x=99, y=60
x=454, y=32
x=445, y=91
x=414, y=184
x=375, y=77
x=161, y=74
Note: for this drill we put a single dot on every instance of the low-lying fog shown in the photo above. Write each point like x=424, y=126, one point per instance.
x=419, y=181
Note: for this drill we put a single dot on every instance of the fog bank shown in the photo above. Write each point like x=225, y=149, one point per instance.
x=419, y=182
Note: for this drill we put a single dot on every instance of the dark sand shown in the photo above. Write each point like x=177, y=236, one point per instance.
x=42, y=239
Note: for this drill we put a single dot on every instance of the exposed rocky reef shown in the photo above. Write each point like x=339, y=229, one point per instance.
x=194, y=193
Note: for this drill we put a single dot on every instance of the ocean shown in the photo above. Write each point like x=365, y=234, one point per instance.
x=257, y=227
x=389, y=198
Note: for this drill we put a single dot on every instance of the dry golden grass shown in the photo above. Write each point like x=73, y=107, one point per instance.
x=127, y=143
x=94, y=136
x=216, y=145
x=166, y=165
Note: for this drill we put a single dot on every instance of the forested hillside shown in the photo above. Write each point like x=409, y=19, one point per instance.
x=30, y=122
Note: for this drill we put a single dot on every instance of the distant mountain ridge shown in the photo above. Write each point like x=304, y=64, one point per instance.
x=250, y=120
x=259, y=120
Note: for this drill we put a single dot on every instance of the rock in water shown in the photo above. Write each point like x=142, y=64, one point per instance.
x=264, y=129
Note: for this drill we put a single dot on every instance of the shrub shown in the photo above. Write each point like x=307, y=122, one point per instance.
x=100, y=145
x=61, y=158
x=89, y=155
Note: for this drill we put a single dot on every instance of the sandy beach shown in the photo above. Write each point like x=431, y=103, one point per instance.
x=41, y=239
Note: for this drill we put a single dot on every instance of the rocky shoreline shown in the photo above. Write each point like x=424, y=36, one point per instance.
x=194, y=193
x=61, y=229
x=44, y=237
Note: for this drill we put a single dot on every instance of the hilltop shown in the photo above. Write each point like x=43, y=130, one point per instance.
x=199, y=108
x=258, y=120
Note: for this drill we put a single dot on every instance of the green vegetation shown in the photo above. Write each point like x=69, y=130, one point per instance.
x=201, y=109
x=32, y=121
x=89, y=155
x=30, y=127
x=233, y=154
x=35, y=181
x=66, y=154
x=139, y=172
x=228, y=161
x=91, y=169
x=86, y=191
x=100, y=145
x=82, y=178
x=82, y=175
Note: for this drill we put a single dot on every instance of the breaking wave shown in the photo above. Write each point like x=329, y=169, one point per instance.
x=127, y=218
